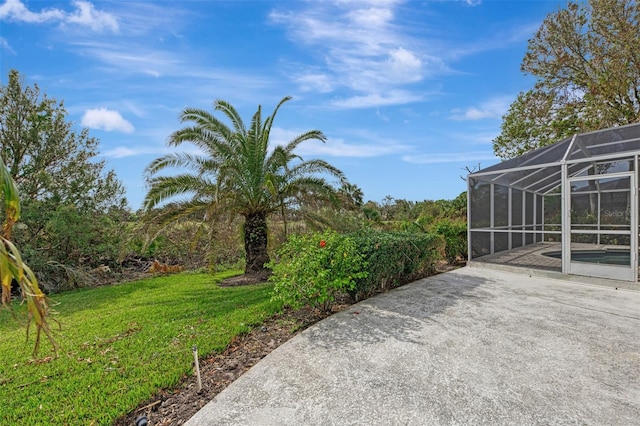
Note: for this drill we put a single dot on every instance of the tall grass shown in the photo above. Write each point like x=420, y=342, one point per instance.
x=119, y=345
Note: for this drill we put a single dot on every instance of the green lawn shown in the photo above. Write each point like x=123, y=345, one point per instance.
x=119, y=345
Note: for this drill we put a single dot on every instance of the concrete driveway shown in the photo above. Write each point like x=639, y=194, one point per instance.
x=472, y=346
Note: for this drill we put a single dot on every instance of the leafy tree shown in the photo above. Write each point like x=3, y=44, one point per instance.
x=46, y=158
x=371, y=211
x=537, y=118
x=237, y=172
x=388, y=207
x=12, y=268
x=586, y=58
x=59, y=180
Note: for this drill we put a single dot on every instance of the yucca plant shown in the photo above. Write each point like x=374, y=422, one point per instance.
x=12, y=268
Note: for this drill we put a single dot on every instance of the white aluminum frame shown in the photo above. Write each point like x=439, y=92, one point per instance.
x=567, y=170
x=600, y=270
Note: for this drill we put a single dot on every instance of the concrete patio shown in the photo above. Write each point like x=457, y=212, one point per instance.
x=472, y=346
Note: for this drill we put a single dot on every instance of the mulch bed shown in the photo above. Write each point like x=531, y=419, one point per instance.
x=177, y=405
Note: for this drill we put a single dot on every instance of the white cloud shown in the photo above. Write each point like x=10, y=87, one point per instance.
x=15, y=10
x=138, y=18
x=4, y=45
x=396, y=97
x=87, y=15
x=121, y=152
x=340, y=148
x=130, y=58
x=337, y=147
x=404, y=66
x=369, y=46
x=137, y=108
x=382, y=116
x=372, y=17
x=475, y=137
x=108, y=120
x=362, y=48
x=449, y=157
x=84, y=14
x=315, y=81
x=125, y=151
x=493, y=108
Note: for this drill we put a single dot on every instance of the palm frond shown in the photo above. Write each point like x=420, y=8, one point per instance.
x=207, y=121
x=163, y=188
x=266, y=130
x=316, y=166
x=280, y=159
x=204, y=139
x=196, y=163
x=11, y=196
x=176, y=211
x=13, y=268
x=232, y=114
x=310, y=135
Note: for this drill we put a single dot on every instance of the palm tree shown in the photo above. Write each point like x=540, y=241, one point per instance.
x=352, y=195
x=238, y=172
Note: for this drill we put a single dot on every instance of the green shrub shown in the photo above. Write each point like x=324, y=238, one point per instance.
x=394, y=259
x=454, y=233
x=64, y=244
x=314, y=268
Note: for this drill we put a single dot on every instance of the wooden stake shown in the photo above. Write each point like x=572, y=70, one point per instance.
x=197, y=365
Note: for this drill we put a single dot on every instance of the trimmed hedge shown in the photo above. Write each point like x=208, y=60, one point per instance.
x=394, y=259
x=313, y=269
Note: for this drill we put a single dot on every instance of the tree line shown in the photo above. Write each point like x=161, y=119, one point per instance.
x=244, y=197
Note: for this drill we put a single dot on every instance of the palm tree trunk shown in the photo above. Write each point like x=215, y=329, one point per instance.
x=284, y=219
x=255, y=243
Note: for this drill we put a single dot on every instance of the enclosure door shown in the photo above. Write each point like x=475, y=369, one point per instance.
x=603, y=214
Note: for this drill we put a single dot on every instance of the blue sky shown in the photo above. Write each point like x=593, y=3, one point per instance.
x=409, y=93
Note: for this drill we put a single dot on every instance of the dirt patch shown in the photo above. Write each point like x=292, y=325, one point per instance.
x=246, y=279
x=443, y=266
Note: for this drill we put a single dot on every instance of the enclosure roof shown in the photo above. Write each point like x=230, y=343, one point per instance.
x=539, y=170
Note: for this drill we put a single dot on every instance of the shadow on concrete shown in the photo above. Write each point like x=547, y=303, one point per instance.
x=397, y=314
